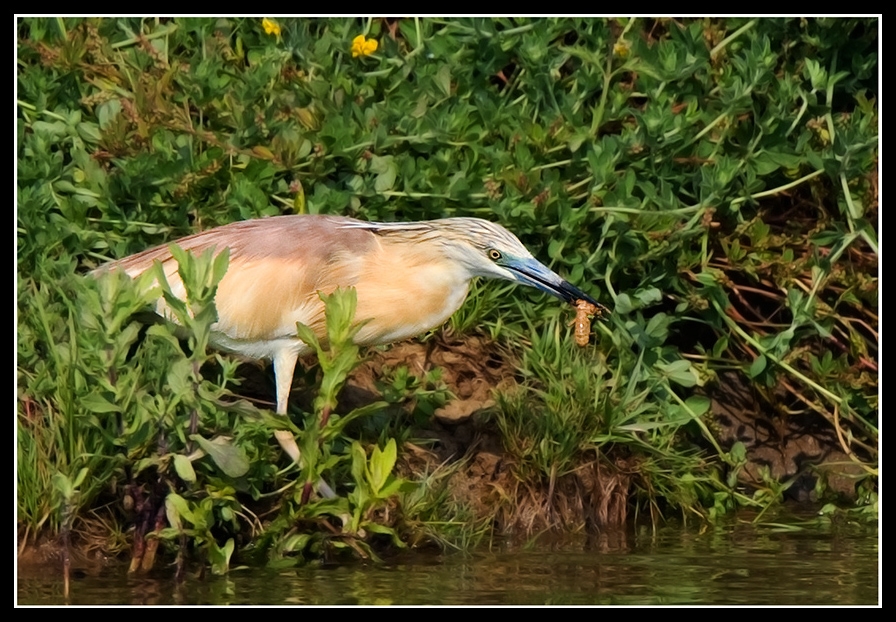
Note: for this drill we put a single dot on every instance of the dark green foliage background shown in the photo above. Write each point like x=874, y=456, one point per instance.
x=713, y=181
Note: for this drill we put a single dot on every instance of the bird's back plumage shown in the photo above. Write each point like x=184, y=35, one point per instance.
x=279, y=266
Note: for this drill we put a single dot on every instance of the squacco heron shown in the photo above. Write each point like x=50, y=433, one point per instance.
x=409, y=278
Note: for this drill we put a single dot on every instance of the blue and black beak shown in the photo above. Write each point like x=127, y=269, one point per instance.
x=533, y=273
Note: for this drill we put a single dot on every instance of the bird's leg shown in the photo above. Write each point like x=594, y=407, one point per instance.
x=284, y=369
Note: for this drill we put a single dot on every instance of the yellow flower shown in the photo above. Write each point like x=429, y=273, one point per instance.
x=361, y=46
x=622, y=48
x=270, y=27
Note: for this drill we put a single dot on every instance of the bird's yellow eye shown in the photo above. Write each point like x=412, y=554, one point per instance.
x=494, y=255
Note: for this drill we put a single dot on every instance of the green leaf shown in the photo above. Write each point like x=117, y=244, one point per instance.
x=99, y=404
x=386, y=531
x=658, y=326
x=575, y=142
x=176, y=507
x=443, y=80
x=229, y=458
x=386, y=171
x=359, y=463
x=679, y=372
x=720, y=346
x=385, y=181
x=307, y=336
x=107, y=112
x=817, y=74
x=757, y=366
x=623, y=304
x=90, y=132
x=738, y=453
x=699, y=404
x=220, y=556
x=296, y=543
x=644, y=427
x=180, y=377
x=63, y=485
x=648, y=296
x=219, y=265
x=380, y=164
x=184, y=468
x=381, y=464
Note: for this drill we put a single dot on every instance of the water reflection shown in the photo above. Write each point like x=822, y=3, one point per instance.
x=741, y=564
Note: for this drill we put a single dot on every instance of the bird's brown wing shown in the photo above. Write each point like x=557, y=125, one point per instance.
x=277, y=267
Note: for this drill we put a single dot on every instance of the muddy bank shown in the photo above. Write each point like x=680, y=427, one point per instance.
x=785, y=446
x=799, y=448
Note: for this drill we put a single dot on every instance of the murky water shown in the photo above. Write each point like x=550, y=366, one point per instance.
x=739, y=564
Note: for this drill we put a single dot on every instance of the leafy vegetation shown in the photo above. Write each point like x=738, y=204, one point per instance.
x=712, y=181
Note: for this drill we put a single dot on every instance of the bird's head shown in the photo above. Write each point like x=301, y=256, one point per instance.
x=488, y=249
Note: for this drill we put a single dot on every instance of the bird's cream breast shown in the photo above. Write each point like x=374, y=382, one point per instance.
x=264, y=299
x=404, y=291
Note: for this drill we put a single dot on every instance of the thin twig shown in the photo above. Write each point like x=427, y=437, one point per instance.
x=845, y=446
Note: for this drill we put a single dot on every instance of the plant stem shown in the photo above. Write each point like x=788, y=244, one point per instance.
x=734, y=35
